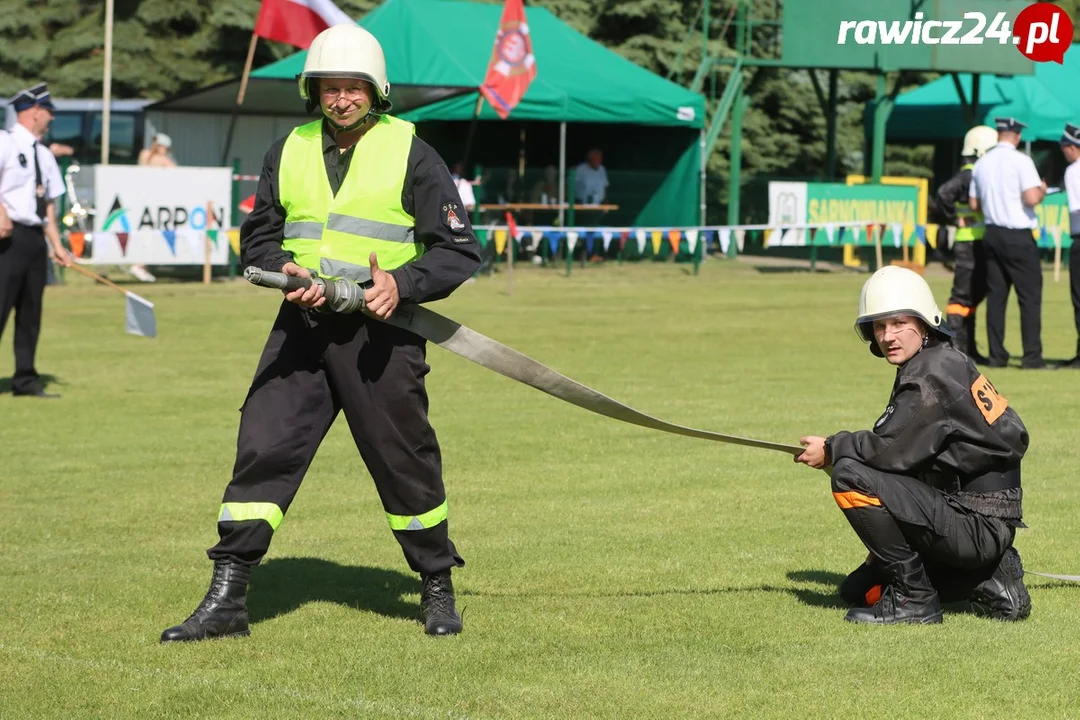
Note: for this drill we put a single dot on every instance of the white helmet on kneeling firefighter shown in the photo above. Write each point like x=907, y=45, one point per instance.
x=898, y=314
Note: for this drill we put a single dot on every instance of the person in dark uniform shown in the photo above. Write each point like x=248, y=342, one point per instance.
x=353, y=195
x=933, y=490
x=969, y=267
x=1070, y=147
x=1006, y=187
x=30, y=182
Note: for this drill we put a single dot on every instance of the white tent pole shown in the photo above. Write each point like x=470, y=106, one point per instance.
x=107, y=84
x=562, y=170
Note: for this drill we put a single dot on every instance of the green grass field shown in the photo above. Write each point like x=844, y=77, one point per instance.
x=612, y=571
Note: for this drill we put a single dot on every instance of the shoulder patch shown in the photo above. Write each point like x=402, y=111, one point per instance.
x=450, y=217
x=885, y=416
x=990, y=403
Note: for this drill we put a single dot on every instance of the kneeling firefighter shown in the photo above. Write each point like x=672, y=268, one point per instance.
x=969, y=269
x=933, y=490
x=352, y=196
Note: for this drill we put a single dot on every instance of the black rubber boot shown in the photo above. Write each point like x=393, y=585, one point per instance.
x=437, y=604
x=1003, y=596
x=907, y=598
x=223, y=612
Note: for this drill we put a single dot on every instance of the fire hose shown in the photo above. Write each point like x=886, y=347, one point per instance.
x=344, y=296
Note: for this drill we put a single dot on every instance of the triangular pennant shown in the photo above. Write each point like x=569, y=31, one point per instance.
x=675, y=238
x=830, y=233
x=920, y=234
x=766, y=234
x=605, y=235
x=856, y=232
x=234, y=240
x=740, y=238
x=870, y=234
x=122, y=238
x=170, y=238
x=640, y=237
x=590, y=240
x=571, y=240
x=500, y=241
x=691, y=240
x=624, y=236
x=897, y=238
x=481, y=236
x=908, y=229
x=930, y=236
x=212, y=234
x=725, y=240
x=553, y=241
x=657, y=238
x=77, y=241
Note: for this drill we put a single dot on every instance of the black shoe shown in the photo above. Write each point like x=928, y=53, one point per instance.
x=1003, y=596
x=36, y=392
x=1039, y=364
x=223, y=612
x=908, y=598
x=1073, y=364
x=437, y=604
x=997, y=363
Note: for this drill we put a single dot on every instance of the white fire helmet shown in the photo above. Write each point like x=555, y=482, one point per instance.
x=346, y=51
x=893, y=291
x=979, y=140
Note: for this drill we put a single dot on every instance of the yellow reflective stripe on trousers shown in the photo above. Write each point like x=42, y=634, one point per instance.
x=238, y=512
x=418, y=522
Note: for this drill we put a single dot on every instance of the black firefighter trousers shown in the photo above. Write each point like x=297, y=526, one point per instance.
x=315, y=364
x=1012, y=260
x=897, y=516
x=23, y=271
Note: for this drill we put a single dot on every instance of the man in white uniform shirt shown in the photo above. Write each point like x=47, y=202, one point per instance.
x=1070, y=147
x=29, y=183
x=1006, y=187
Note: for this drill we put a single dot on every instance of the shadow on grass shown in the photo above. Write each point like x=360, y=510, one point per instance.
x=45, y=379
x=281, y=585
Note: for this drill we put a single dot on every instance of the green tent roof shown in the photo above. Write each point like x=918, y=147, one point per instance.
x=1044, y=101
x=437, y=52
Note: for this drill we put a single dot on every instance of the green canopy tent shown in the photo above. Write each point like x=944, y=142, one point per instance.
x=437, y=52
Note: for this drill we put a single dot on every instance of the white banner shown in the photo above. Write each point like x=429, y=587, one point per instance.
x=161, y=216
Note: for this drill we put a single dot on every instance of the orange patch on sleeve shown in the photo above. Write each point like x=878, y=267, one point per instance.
x=990, y=403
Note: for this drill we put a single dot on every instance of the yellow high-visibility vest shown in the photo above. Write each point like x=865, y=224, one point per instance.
x=334, y=234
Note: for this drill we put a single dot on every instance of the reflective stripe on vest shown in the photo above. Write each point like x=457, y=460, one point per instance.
x=335, y=234
x=422, y=521
x=974, y=222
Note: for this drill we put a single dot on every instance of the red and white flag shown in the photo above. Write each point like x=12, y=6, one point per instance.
x=512, y=65
x=297, y=22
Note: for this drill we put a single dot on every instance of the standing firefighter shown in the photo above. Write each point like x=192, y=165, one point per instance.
x=353, y=195
x=969, y=271
x=933, y=491
x=1070, y=147
x=1006, y=187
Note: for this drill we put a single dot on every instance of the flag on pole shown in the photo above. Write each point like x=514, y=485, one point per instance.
x=512, y=66
x=139, y=316
x=297, y=22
